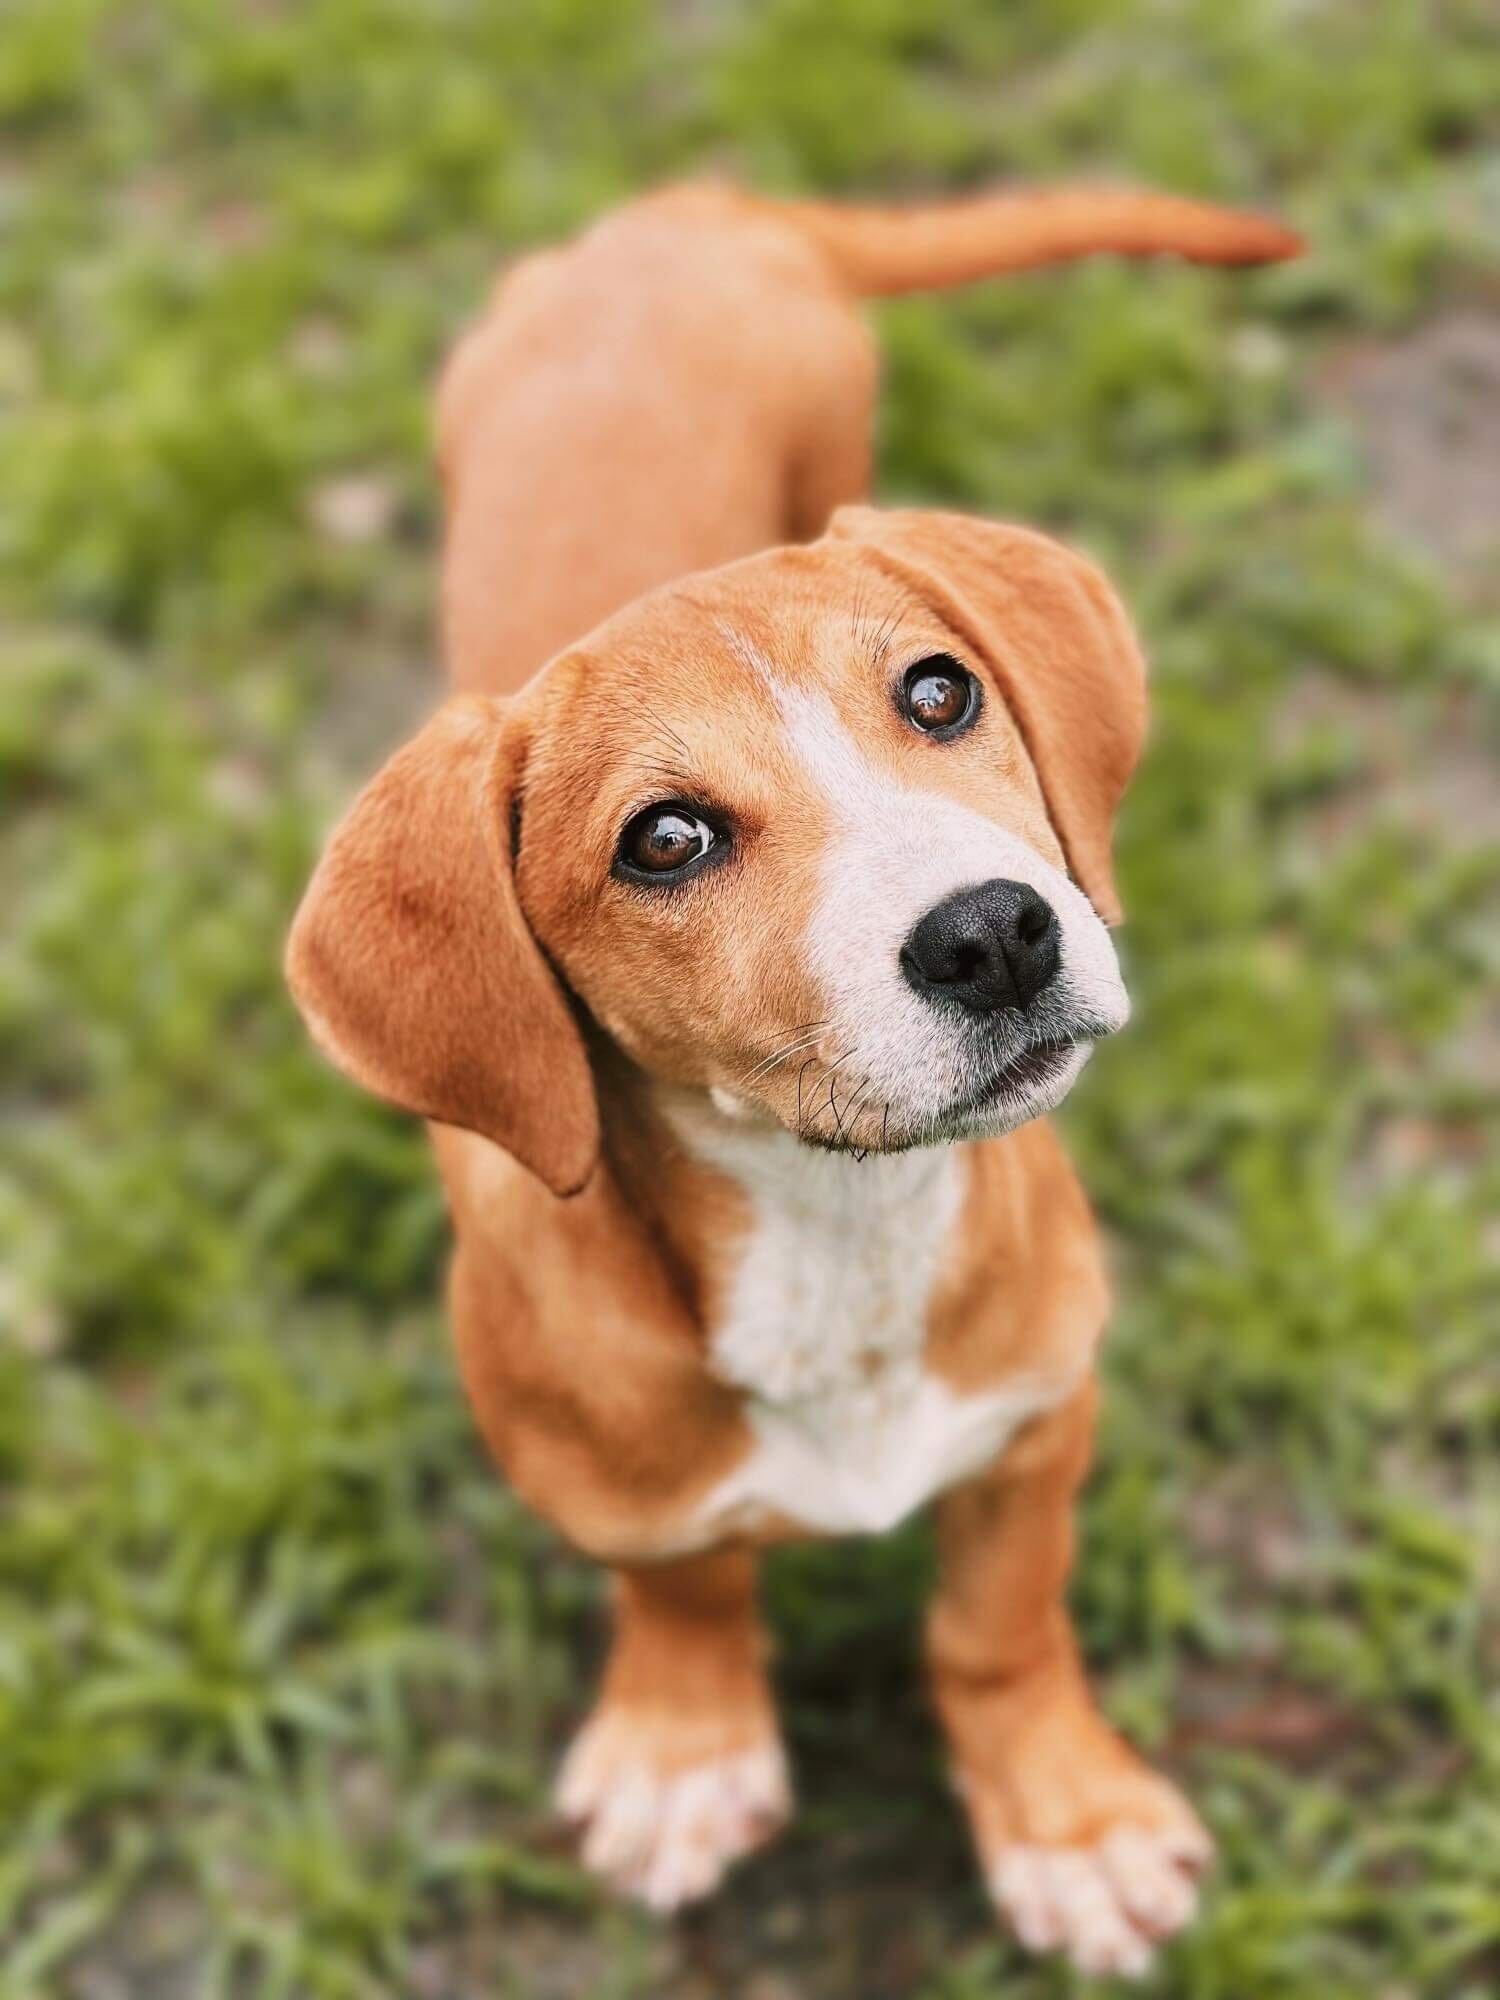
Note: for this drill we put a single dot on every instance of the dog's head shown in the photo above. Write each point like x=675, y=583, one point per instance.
x=825, y=832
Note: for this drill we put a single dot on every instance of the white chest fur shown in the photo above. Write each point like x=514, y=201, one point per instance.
x=823, y=1326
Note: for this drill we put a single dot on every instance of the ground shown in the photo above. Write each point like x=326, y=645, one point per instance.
x=283, y=1669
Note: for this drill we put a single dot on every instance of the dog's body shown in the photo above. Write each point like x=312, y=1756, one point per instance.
x=819, y=1261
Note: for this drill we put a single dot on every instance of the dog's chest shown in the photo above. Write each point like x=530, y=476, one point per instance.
x=823, y=1325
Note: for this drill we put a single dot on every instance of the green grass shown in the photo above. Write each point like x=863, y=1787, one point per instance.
x=282, y=1666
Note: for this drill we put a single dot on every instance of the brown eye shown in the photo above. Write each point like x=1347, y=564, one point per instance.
x=939, y=696
x=663, y=840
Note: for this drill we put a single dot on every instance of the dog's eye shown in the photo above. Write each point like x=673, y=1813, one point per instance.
x=938, y=696
x=665, y=839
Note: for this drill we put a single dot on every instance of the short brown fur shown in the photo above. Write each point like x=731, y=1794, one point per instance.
x=685, y=388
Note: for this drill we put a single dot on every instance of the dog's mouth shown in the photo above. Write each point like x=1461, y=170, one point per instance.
x=1026, y=1085
x=1031, y=1074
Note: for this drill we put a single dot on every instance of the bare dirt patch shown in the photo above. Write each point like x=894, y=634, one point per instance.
x=1426, y=409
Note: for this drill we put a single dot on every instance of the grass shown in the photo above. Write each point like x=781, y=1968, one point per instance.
x=282, y=1666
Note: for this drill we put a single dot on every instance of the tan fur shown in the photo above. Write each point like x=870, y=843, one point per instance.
x=412, y=947
x=632, y=434
x=1063, y=653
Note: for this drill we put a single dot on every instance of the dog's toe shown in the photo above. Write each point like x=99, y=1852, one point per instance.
x=1154, y=1879
x=1103, y=1906
x=667, y=1837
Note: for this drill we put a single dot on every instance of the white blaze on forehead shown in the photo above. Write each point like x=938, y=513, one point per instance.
x=895, y=853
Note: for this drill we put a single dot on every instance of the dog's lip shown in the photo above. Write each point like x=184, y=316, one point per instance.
x=1037, y=1065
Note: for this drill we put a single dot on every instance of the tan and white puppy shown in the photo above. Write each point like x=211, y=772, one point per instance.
x=735, y=947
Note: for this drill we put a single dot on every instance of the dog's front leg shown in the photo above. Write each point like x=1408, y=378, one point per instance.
x=680, y=1769
x=1085, y=1849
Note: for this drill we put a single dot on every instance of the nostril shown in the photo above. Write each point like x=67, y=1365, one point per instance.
x=945, y=960
x=1034, y=923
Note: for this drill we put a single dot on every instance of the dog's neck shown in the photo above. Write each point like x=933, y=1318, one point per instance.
x=807, y=1270
x=654, y=1131
x=777, y=1170
x=823, y=1304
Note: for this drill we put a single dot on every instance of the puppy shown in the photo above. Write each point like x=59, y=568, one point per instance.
x=735, y=947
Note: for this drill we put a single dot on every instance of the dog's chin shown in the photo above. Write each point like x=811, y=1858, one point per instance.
x=1011, y=1094
x=1027, y=1087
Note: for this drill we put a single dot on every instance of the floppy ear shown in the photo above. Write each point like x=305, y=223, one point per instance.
x=412, y=963
x=1056, y=638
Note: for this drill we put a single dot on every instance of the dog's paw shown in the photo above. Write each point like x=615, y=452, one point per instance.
x=1086, y=1850
x=662, y=1829
x=1103, y=1906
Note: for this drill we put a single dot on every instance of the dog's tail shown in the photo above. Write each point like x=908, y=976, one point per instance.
x=928, y=246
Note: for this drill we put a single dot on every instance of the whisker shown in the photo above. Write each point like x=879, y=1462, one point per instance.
x=881, y=644
x=858, y=605
x=833, y=1109
x=804, y=1040
x=824, y=1076
x=666, y=729
x=828, y=1077
x=857, y=1103
x=852, y=1110
x=811, y=1063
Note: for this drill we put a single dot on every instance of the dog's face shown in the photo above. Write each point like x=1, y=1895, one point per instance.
x=787, y=843
x=825, y=832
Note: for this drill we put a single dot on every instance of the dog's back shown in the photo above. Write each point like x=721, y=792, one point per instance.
x=687, y=384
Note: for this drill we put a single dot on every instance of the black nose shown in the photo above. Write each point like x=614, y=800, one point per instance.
x=986, y=947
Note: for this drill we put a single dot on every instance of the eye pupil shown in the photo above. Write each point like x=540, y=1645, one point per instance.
x=665, y=838
x=936, y=699
x=939, y=694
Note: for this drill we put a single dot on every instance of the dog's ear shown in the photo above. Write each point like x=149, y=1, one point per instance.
x=1056, y=638
x=413, y=965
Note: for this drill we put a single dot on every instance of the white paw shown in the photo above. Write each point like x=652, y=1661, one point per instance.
x=667, y=1837
x=1102, y=1906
